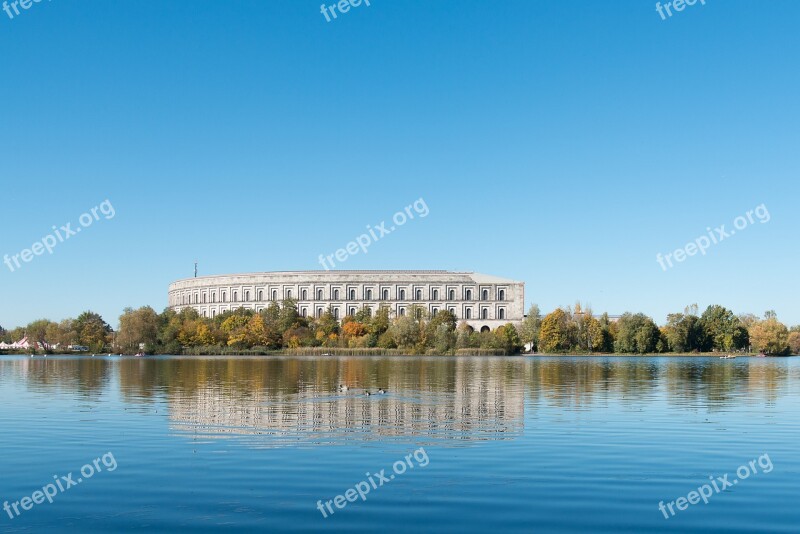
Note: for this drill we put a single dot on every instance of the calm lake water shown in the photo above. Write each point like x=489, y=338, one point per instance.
x=502, y=444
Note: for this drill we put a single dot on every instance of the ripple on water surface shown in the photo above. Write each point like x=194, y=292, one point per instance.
x=554, y=444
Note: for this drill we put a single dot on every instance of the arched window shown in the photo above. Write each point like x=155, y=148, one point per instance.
x=319, y=313
x=213, y=298
x=303, y=312
x=196, y=298
x=352, y=312
x=501, y=295
x=369, y=294
x=402, y=294
x=204, y=313
x=305, y=296
x=484, y=313
x=485, y=294
x=288, y=293
x=247, y=296
x=235, y=296
x=213, y=313
x=418, y=295
x=352, y=294
x=385, y=294
x=224, y=297
x=204, y=298
x=452, y=295
x=502, y=313
x=319, y=294
x=453, y=311
x=369, y=311
x=468, y=294
x=435, y=311
x=435, y=295
x=274, y=295
x=336, y=313
x=260, y=295
x=335, y=294
x=402, y=312
x=468, y=313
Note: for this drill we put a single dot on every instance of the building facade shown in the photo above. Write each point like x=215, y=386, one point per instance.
x=483, y=301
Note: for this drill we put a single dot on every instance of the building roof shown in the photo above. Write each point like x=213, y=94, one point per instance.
x=479, y=278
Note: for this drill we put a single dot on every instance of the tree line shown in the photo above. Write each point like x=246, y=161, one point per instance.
x=277, y=327
x=280, y=326
x=717, y=329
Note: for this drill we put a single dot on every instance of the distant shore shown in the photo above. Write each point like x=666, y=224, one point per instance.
x=339, y=352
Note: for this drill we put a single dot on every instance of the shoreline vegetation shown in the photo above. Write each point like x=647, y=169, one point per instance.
x=280, y=330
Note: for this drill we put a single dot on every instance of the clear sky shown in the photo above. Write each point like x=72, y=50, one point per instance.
x=562, y=143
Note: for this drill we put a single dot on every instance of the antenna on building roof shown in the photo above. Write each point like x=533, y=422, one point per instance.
x=195, y=268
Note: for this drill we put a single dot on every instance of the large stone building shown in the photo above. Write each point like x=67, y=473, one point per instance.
x=483, y=301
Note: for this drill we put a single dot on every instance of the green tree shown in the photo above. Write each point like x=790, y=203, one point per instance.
x=636, y=334
x=380, y=323
x=289, y=317
x=444, y=339
x=441, y=331
x=608, y=330
x=92, y=331
x=406, y=331
x=684, y=332
x=530, y=327
x=464, y=336
x=724, y=331
x=508, y=338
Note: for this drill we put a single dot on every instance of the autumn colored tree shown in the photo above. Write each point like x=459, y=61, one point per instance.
x=136, y=327
x=554, y=335
x=770, y=336
x=352, y=328
x=794, y=341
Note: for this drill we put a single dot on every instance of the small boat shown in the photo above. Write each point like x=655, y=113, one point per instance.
x=728, y=357
x=327, y=354
x=139, y=354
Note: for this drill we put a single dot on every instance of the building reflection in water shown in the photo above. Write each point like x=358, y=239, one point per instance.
x=271, y=401
x=461, y=400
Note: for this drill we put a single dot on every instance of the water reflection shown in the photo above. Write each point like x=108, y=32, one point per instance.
x=278, y=400
x=298, y=400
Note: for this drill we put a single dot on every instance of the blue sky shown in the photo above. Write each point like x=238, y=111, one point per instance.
x=561, y=143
